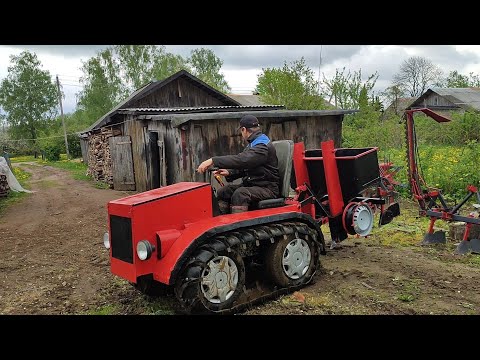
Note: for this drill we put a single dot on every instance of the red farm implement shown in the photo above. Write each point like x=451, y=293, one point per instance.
x=431, y=201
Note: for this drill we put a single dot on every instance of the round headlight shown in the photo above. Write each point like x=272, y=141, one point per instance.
x=144, y=250
x=106, y=240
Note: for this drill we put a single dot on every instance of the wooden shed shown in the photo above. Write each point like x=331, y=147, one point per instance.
x=161, y=133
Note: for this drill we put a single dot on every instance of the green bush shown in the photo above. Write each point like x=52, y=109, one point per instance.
x=52, y=152
x=74, y=146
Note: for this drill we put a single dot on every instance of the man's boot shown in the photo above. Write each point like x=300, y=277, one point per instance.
x=223, y=206
x=238, y=209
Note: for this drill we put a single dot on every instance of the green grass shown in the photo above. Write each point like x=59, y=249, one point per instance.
x=410, y=290
x=160, y=306
x=101, y=185
x=77, y=168
x=11, y=198
x=104, y=310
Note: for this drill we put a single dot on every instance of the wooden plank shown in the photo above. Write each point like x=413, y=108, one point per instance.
x=161, y=152
x=84, y=148
x=136, y=131
x=122, y=163
x=171, y=96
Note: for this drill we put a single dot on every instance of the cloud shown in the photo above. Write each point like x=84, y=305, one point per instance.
x=262, y=56
x=243, y=63
x=68, y=51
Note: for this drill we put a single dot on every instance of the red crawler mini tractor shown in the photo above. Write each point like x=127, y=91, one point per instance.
x=175, y=238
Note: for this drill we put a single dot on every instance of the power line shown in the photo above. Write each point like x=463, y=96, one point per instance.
x=40, y=138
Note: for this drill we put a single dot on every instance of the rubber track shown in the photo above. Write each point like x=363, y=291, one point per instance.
x=238, y=240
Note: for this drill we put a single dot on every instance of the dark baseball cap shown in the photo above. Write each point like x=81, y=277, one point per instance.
x=248, y=121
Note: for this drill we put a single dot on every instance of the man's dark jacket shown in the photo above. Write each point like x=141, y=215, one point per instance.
x=257, y=164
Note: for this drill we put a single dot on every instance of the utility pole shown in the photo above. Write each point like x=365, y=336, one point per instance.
x=61, y=114
x=319, y=66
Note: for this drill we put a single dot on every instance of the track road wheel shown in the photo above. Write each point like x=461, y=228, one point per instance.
x=211, y=281
x=290, y=261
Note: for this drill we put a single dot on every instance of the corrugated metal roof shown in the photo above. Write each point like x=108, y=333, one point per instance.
x=463, y=97
x=199, y=109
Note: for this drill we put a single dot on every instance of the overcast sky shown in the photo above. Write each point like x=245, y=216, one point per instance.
x=242, y=63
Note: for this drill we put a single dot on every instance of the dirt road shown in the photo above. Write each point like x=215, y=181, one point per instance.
x=52, y=261
x=51, y=256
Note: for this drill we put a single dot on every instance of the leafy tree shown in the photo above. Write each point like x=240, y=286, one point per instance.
x=345, y=89
x=102, y=85
x=28, y=96
x=457, y=80
x=392, y=95
x=136, y=62
x=140, y=64
x=292, y=85
x=206, y=66
x=114, y=73
x=416, y=74
x=168, y=64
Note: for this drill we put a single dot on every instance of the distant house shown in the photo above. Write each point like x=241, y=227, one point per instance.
x=449, y=99
x=159, y=135
x=248, y=100
x=398, y=106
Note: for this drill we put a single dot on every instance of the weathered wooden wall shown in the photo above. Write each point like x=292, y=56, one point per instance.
x=122, y=163
x=193, y=142
x=185, y=147
x=433, y=100
x=179, y=93
x=84, y=147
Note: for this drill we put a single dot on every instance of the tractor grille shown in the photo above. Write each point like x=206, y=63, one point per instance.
x=121, y=238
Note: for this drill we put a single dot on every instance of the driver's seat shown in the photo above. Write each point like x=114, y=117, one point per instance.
x=284, y=149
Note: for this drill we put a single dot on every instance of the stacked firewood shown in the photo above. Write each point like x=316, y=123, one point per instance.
x=99, y=155
x=4, y=188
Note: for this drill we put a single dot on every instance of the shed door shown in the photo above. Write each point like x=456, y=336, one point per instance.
x=161, y=162
x=156, y=159
x=122, y=163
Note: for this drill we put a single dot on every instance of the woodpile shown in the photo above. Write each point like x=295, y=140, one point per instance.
x=99, y=156
x=4, y=188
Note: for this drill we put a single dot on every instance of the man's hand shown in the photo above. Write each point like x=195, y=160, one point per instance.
x=223, y=172
x=204, y=166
